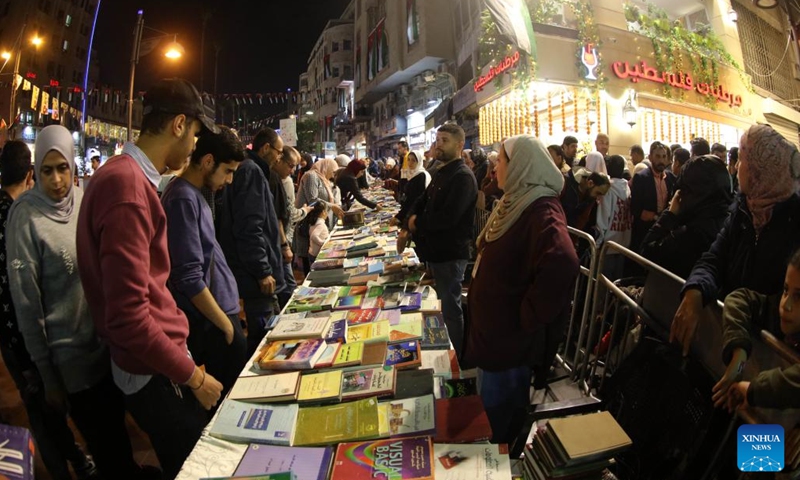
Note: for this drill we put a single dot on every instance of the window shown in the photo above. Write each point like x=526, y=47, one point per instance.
x=60, y=15
x=65, y=45
x=348, y=72
x=335, y=73
x=51, y=68
x=68, y=21
x=763, y=52
x=60, y=73
x=347, y=45
x=335, y=46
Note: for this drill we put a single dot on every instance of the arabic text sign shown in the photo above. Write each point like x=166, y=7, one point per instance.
x=641, y=71
x=289, y=131
x=507, y=63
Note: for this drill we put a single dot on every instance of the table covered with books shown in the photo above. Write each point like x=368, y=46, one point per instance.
x=357, y=379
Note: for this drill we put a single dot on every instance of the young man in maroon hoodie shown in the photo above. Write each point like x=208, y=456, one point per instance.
x=123, y=260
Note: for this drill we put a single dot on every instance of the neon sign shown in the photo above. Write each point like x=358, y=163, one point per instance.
x=507, y=63
x=683, y=80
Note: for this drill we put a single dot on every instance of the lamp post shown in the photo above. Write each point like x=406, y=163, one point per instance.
x=17, y=53
x=174, y=51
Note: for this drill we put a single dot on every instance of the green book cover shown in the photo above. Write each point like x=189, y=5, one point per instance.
x=344, y=422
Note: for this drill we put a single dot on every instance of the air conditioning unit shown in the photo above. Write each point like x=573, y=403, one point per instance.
x=429, y=75
x=419, y=81
x=697, y=21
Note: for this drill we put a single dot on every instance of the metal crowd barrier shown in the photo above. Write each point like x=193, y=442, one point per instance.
x=586, y=279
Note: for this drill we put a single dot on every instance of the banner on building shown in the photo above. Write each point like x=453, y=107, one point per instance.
x=514, y=21
x=34, y=98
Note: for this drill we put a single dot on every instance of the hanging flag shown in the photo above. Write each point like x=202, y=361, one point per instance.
x=514, y=21
x=45, y=103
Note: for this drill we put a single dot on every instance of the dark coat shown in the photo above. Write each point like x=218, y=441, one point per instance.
x=248, y=233
x=519, y=299
x=740, y=258
x=446, y=214
x=415, y=189
x=348, y=184
x=644, y=197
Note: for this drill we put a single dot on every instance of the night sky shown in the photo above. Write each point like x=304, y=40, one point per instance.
x=265, y=44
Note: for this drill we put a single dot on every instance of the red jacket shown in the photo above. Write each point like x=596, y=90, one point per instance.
x=124, y=265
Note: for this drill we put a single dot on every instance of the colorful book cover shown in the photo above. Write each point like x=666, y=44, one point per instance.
x=412, y=416
x=343, y=422
x=349, y=354
x=363, y=315
x=305, y=463
x=352, y=291
x=368, y=382
x=403, y=355
x=410, y=301
x=389, y=459
x=290, y=354
x=375, y=291
x=462, y=461
x=17, y=453
x=332, y=254
x=349, y=302
x=320, y=387
x=281, y=387
x=337, y=331
x=249, y=422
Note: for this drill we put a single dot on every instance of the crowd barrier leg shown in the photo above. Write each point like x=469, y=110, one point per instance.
x=586, y=275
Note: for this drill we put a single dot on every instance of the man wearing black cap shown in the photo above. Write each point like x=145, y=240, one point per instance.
x=570, y=147
x=124, y=264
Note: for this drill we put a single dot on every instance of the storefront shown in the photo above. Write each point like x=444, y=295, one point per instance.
x=634, y=102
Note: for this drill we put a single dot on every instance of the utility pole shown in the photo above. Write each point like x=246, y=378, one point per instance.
x=137, y=41
x=217, y=48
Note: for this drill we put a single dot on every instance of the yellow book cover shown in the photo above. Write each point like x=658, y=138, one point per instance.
x=343, y=422
x=410, y=317
x=349, y=354
x=359, y=333
x=320, y=387
x=380, y=331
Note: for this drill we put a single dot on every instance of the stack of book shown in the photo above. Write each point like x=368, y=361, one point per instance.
x=358, y=379
x=577, y=447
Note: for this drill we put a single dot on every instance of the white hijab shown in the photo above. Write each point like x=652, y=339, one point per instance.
x=595, y=162
x=410, y=173
x=531, y=175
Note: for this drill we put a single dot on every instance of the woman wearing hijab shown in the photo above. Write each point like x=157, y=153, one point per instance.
x=524, y=275
x=595, y=162
x=347, y=182
x=694, y=218
x=316, y=186
x=418, y=181
x=757, y=239
x=52, y=311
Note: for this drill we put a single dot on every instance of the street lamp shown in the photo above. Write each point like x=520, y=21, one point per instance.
x=174, y=51
x=36, y=41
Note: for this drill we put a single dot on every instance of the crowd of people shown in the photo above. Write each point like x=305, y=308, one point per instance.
x=116, y=295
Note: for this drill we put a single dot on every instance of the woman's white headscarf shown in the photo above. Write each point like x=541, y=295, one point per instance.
x=531, y=175
x=410, y=173
x=595, y=162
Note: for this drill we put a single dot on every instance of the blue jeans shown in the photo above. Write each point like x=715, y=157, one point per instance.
x=506, y=396
x=449, y=276
x=289, y=287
